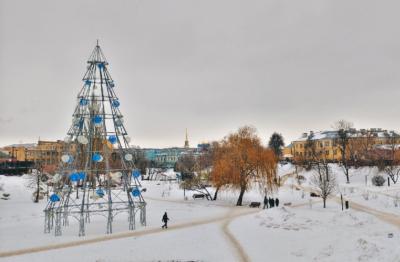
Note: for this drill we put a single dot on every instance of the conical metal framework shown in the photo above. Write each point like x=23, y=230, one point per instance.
x=96, y=175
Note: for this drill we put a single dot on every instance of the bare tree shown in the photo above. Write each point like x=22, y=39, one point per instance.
x=140, y=161
x=323, y=179
x=186, y=164
x=367, y=152
x=36, y=181
x=195, y=183
x=389, y=157
x=311, y=153
x=196, y=171
x=343, y=128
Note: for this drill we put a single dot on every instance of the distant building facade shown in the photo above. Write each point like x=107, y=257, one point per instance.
x=45, y=153
x=18, y=152
x=167, y=157
x=326, y=143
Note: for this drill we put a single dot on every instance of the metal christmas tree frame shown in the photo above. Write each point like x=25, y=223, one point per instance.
x=96, y=175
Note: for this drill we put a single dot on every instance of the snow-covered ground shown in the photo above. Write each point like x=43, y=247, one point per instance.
x=309, y=234
x=360, y=190
x=202, y=230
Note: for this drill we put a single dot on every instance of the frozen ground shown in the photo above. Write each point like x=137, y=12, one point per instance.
x=202, y=230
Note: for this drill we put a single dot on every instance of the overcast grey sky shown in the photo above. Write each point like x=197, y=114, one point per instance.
x=209, y=66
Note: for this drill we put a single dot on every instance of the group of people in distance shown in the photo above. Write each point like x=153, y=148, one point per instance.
x=270, y=202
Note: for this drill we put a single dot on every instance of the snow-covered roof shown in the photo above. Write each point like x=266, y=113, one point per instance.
x=354, y=133
x=318, y=135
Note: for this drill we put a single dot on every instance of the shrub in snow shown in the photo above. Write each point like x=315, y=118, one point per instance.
x=378, y=180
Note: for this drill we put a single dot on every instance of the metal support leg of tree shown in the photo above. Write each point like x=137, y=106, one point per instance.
x=47, y=223
x=65, y=217
x=109, y=222
x=143, y=215
x=87, y=217
x=82, y=225
x=57, y=230
x=131, y=218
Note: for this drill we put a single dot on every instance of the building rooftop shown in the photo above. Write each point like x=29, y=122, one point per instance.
x=332, y=134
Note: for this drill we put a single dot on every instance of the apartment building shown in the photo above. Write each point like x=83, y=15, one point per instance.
x=326, y=143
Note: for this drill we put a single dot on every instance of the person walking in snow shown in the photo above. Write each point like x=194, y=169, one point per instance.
x=165, y=220
x=276, y=202
x=265, y=202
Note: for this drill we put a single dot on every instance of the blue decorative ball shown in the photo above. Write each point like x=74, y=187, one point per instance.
x=83, y=102
x=74, y=177
x=97, y=157
x=136, y=173
x=112, y=139
x=136, y=192
x=88, y=82
x=115, y=103
x=54, y=198
x=100, y=192
x=97, y=119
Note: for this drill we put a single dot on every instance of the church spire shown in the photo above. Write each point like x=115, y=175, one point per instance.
x=186, y=140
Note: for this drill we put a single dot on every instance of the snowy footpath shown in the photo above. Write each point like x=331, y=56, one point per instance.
x=201, y=230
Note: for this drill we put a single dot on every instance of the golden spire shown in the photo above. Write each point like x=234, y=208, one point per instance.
x=186, y=140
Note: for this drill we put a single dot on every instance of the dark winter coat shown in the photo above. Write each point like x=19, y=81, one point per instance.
x=165, y=218
x=276, y=202
x=271, y=202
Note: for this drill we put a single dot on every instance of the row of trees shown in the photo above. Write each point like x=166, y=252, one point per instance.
x=237, y=162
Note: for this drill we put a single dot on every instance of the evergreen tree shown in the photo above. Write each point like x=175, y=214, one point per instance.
x=276, y=143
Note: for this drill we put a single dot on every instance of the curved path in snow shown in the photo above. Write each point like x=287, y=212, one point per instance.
x=390, y=218
x=241, y=253
x=233, y=212
x=384, y=216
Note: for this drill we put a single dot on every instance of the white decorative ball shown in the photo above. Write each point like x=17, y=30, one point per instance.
x=83, y=140
x=128, y=157
x=65, y=158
